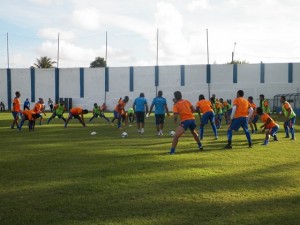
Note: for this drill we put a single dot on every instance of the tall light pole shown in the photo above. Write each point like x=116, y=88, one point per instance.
x=232, y=56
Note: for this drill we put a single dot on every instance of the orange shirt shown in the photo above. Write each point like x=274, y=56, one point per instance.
x=76, y=111
x=204, y=106
x=16, y=105
x=183, y=108
x=120, y=107
x=28, y=114
x=242, y=106
x=264, y=117
x=38, y=108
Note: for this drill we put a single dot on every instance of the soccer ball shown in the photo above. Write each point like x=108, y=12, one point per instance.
x=124, y=135
x=172, y=133
x=93, y=133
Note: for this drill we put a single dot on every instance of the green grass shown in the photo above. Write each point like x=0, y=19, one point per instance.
x=63, y=176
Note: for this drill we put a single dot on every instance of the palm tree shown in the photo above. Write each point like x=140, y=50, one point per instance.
x=44, y=62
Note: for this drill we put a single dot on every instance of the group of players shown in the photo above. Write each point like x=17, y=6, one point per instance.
x=238, y=114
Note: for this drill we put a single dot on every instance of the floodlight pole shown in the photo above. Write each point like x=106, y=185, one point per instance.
x=106, y=47
x=7, y=49
x=207, y=51
x=156, y=55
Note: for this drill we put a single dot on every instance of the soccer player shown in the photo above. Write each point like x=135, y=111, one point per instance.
x=31, y=116
x=97, y=111
x=227, y=109
x=161, y=107
x=130, y=115
x=139, y=106
x=16, y=110
x=77, y=113
x=26, y=104
x=50, y=104
x=241, y=111
x=118, y=110
x=253, y=120
x=39, y=108
x=269, y=124
x=184, y=109
x=264, y=104
x=218, y=113
x=58, y=111
x=290, y=118
x=205, y=107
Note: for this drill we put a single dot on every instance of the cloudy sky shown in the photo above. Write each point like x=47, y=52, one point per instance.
x=263, y=30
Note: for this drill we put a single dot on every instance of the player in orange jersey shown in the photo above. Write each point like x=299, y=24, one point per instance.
x=241, y=111
x=268, y=124
x=16, y=110
x=183, y=109
x=77, y=113
x=31, y=116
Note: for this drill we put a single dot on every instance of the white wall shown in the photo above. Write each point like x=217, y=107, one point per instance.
x=248, y=79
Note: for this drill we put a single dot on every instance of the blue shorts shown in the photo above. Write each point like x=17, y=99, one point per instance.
x=239, y=122
x=273, y=130
x=208, y=116
x=255, y=119
x=159, y=119
x=16, y=115
x=117, y=115
x=291, y=122
x=191, y=124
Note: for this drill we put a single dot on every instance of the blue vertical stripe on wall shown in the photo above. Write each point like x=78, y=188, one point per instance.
x=208, y=74
x=235, y=73
x=106, y=79
x=262, y=73
x=131, y=73
x=182, y=75
x=57, y=85
x=156, y=76
x=32, y=81
x=81, y=71
x=8, y=74
x=290, y=72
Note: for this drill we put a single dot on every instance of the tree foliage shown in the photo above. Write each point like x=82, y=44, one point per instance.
x=98, y=62
x=238, y=62
x=44, y=62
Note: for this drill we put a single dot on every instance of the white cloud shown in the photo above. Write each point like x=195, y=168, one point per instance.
x=52, y=33
x=87, y=19
x=47, y=2
x=194, y=5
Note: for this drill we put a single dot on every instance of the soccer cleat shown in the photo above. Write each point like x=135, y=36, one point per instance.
x=275, y=138
x=293, y=139
x=170, y=153
x=216, y=138
x=287, y=137
x=228, y=146
x=250, y=145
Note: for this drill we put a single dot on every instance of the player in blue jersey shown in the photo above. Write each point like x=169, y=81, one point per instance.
x=140, y=105
x=161, y=107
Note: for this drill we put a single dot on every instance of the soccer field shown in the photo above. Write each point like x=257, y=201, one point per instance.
x=66, y=176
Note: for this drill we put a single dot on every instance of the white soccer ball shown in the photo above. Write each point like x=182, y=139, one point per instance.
x=124, y=135
x=172, y=133
x=93, y=133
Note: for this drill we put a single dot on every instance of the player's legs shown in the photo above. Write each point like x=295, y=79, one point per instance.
x=15, y=121
x=286, y=129
x=179, y=131
x=51, y=117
